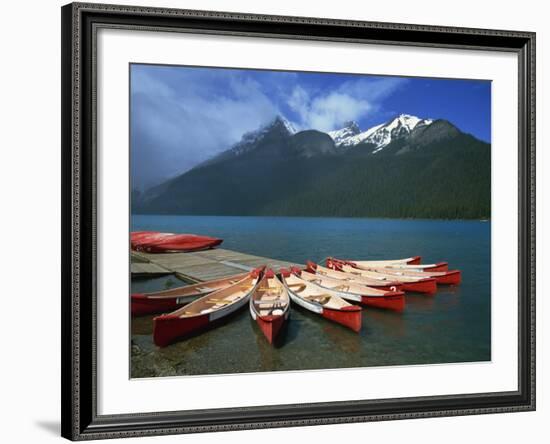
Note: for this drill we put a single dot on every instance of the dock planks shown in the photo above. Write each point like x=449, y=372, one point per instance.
x=200, y=265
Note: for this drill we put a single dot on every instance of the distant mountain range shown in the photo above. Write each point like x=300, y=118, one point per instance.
x=407, y=167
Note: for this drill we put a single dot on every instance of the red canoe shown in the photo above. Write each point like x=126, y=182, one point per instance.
x=204, y=312
x=154, y=242
x=139, y=237
x=439, y=266
x=322, y=301
x=413, y=284
x=312, y=267
x=270, y=305
x=169, y=300
x=414, y=260
x=355, y=292
x=451, y=277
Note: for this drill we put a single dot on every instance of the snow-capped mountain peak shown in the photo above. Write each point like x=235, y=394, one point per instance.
x=250, y=138
x=280, y=120
x=278, y=127
x=350, y=129
x=406, y=123
x=395, y=129
x=383, y=134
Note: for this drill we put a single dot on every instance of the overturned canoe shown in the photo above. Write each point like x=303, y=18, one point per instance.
x=409, y=283
x=153, y=242
x=142, y=237
x=322, y=301
x=270, y=305
x=356, y=292
x=169, y=300
x=333, y=272
x=203, y=312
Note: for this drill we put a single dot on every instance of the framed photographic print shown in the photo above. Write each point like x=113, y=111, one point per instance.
x=277, y=221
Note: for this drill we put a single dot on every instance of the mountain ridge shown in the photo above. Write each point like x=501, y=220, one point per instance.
x=277, y=170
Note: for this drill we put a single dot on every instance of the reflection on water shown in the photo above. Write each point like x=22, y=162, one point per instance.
x=391, y=324
x=452, y=326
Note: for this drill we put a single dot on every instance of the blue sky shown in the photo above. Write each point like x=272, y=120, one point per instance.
x=181, y=116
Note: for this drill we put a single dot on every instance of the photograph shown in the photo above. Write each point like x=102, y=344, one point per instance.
x=293, y=220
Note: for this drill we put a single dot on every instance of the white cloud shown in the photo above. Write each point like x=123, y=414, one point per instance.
x=352, y=100
x=179, y=123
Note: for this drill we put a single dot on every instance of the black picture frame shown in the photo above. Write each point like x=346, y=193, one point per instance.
x=80, y=22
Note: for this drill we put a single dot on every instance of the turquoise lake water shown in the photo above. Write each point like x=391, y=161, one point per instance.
x=452, y=326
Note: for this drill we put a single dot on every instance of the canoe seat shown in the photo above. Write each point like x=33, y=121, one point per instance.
x=220, y=301
x=270, y=302
x=270, y=297
x=271, y=290
x=341, y=288
x=298, y=287
x=320, y=298
x=205, y=289
x=218, y=304
x=206, y=310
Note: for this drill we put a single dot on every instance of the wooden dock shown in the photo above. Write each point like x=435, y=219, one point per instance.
x=201, y=265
